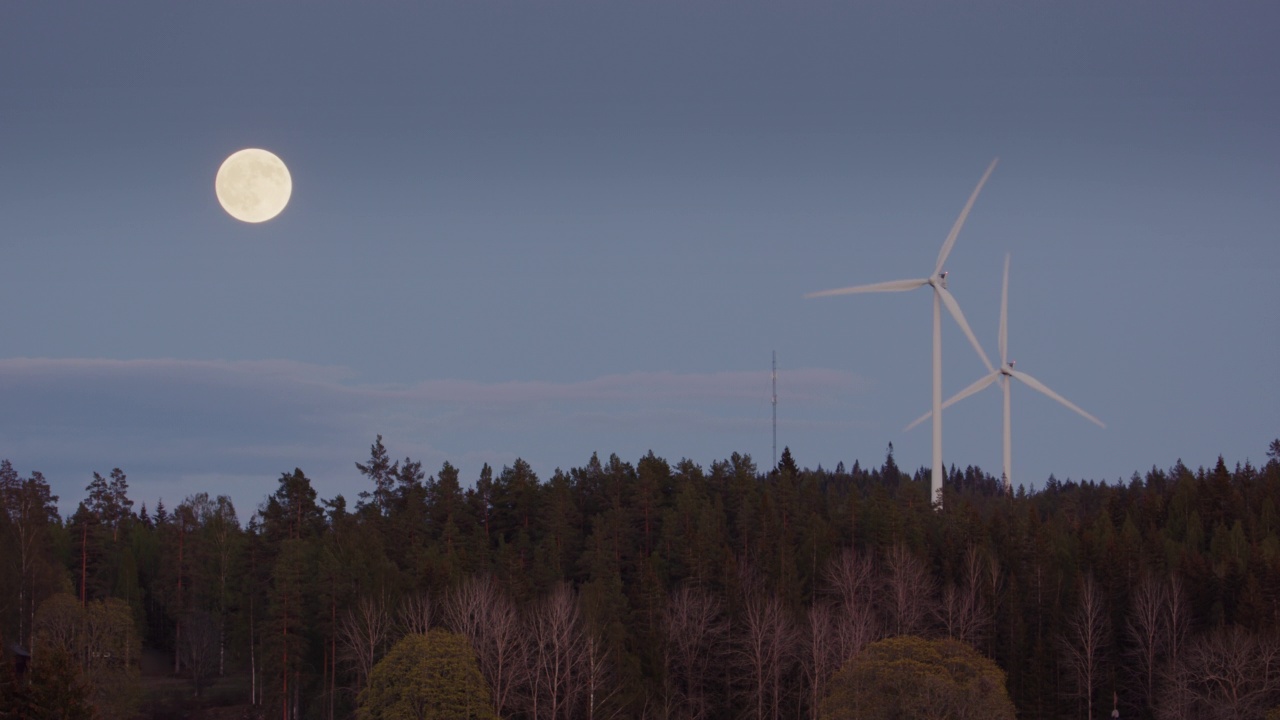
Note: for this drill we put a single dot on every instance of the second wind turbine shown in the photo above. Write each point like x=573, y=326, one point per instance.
x=1003, y=373
x=941, y=296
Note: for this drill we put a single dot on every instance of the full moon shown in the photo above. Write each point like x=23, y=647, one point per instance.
x=253, y=185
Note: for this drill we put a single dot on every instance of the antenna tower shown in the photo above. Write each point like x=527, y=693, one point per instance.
x=775, y=408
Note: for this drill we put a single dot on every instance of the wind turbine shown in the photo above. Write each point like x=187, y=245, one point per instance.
x=1003, y=373
x=941, y=296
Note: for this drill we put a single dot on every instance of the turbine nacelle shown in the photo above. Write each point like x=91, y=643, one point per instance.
x=941, y=298
x=1003, y=376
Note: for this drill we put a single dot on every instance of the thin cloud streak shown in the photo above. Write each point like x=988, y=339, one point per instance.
x=166, y=421
x=306, y=384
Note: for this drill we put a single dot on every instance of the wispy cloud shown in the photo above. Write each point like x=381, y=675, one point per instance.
x=171, y=423
x=190, y=388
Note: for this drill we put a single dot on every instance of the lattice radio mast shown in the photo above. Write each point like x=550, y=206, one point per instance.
x=775, y=408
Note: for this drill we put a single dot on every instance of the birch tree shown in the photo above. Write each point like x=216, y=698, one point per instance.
x=1085, y=637
x=363, y=634
x=766, y=649
x=555, y=633
x=696, y=633
x=908, y=591
x=480, y=611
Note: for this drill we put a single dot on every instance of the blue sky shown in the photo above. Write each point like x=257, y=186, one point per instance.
x=543, y=230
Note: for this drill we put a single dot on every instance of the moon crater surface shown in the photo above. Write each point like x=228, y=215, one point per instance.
x=253, y=185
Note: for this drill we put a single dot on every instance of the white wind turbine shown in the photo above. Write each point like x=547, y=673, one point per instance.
x=1003, y=374
x=941, y=296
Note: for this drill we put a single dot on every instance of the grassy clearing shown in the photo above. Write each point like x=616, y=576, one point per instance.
x=165, y=697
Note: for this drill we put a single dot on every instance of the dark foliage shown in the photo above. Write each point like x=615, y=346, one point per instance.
x=674, y=590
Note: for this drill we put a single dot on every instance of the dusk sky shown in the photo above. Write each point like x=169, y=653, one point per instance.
x=547, y=229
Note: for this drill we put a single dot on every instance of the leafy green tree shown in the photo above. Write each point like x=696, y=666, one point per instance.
x=28, y=513
x=427, y=677
x=910, y=677
x=102, y=642
x=222, y=538
x=54, y=689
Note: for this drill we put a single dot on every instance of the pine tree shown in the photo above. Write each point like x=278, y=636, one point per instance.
x=382, y=473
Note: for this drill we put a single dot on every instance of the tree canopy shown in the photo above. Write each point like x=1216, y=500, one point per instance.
x=427, y=677
x=613, y=588
x=911, y=677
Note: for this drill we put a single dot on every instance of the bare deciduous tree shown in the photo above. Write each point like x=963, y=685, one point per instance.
x=820, y=658
x=223, y=525
x=766, y=649
x=851, y=580
x=556, y=635
x=58, y=626
x=1174, y=700
x=465, y=608
x=599, y=684
x=200, y=646
x=953, y=609
x=1147, y=632
x=850, y=576
x=480, y=611
x=363, y=634
x=1179, y=617
x=909, y=591
x=965, y=611
x=696, y=632
x=415, y=615
x=1227, y=673
x=856, y=627
x=1085, y=637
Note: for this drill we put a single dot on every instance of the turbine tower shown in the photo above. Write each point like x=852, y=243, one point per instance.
x=1003, y=374
x=941, y=296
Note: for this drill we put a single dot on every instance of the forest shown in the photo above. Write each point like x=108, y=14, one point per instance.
x=643, y=590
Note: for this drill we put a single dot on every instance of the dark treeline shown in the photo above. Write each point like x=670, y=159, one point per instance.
x=663, y=590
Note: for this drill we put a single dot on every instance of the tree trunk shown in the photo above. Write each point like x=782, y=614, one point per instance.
x=84, y=559
x=177, y=628
x=284, y=671
x=253, y=657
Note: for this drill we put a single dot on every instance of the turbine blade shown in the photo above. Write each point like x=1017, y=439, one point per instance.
x=954, y=308
x=977, y=386
x=1004, y=316
x=1036, y=384
x=917, y=421
x=955, y=229
x=891, y=286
